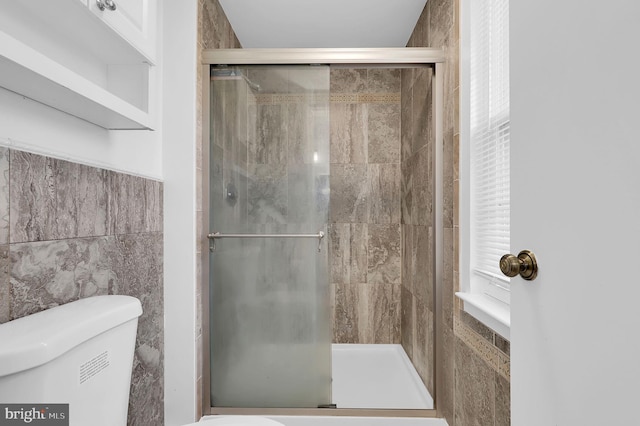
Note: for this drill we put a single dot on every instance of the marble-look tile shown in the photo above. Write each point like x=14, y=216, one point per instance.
x=383, y=80
x=384, y=254
x=121, y=203
x=4, y=195
x=5, y=285
x=339, y=252
x=503, y=344
x=423, y=264
x=383, y=123
x=407, y=322
x=503, y=401
x=269, y=146
x=66, y=193
x=423, y=349
x=447, y=180
x=406, y=190
x=136, y=204
x=349, y=198
x=406, y=114
x=302, y=206
x=43, y=194
x=217, y=194
x=346, y=313
x=358, y=240
x=51, y=273
x=421, y=109
x=307, y=196
x=93, y=201
x=408, y=257
x=309, y=80
x=267, y=192
x=440, y=23
x=448, y=291
x=384, y=193
x=235, y=174
x=395, y=314
x=446, y=392
x=477, y=326
x=449, y=113
x=146, y=401
x=216, y=32
x=153, y=205
x=422, y=183
x=348, y=124
x=420, y=35
x=141, y=277
x=321, y=194
x=344, y=80
x=474, y=388
x=299, y=134
x=270, y=80
x=374, y=313
x=332, y=307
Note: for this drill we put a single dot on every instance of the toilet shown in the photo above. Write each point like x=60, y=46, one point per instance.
x=235, y=421
x=80, y=354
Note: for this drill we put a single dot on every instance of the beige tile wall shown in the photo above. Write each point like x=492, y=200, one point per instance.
x=365, y=237
x=476, y=360
x=214, y=32
x=70, y=231
x=417, y=319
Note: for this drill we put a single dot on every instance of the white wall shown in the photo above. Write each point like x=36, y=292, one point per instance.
x=179, y=150
x=34, y=127
x=167, y=154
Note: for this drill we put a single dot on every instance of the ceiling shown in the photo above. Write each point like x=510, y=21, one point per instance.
x=323, y=23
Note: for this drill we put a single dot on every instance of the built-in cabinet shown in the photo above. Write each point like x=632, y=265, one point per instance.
x=94, y=59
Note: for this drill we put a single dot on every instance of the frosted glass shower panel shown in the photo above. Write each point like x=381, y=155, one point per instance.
x=269, y=305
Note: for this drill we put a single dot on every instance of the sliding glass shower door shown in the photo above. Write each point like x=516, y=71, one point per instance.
x=269, y=199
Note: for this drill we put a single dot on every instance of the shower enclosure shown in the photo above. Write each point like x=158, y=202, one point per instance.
x=270, y=314
x=267, y=308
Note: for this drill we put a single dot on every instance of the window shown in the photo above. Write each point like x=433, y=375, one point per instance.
x=485, y=144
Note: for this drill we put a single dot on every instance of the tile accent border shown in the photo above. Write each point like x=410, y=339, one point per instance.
x=365, y=98
x=496, y=359
x=338, y=98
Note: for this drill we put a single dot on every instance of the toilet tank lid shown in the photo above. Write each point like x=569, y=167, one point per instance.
x=39, y=338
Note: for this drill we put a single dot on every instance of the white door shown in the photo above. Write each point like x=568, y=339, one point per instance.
x=575, y=165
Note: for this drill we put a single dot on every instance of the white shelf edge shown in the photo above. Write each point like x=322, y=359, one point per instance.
x=29, y=73
x=492, y=313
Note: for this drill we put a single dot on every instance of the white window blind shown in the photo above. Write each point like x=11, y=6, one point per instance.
x=489, y=147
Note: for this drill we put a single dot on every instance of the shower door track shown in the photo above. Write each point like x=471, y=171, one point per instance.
x=403, y=57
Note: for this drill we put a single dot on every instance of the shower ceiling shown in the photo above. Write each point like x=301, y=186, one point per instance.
x=323, y=23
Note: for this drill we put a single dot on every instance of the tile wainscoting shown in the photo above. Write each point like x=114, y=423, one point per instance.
x=69, y=231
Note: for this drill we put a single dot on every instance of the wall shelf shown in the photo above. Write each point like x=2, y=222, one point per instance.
x=63, y=55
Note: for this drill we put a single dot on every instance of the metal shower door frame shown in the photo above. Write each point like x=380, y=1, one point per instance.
x=403, y=57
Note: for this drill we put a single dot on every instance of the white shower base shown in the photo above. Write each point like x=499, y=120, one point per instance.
x=376, y=376
x=349, y=421
x=357, y=421
x=371, y=377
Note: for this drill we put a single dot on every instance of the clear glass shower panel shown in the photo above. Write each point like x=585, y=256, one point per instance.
x=269, y=297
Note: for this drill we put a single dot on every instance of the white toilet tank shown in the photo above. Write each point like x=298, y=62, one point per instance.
x=80, y=354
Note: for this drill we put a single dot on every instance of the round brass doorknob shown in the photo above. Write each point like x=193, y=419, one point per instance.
x=525, y=265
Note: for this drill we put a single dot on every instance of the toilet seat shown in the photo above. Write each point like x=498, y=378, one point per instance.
x=236, y=421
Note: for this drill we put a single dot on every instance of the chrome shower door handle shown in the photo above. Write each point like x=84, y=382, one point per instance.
x=524, y=264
